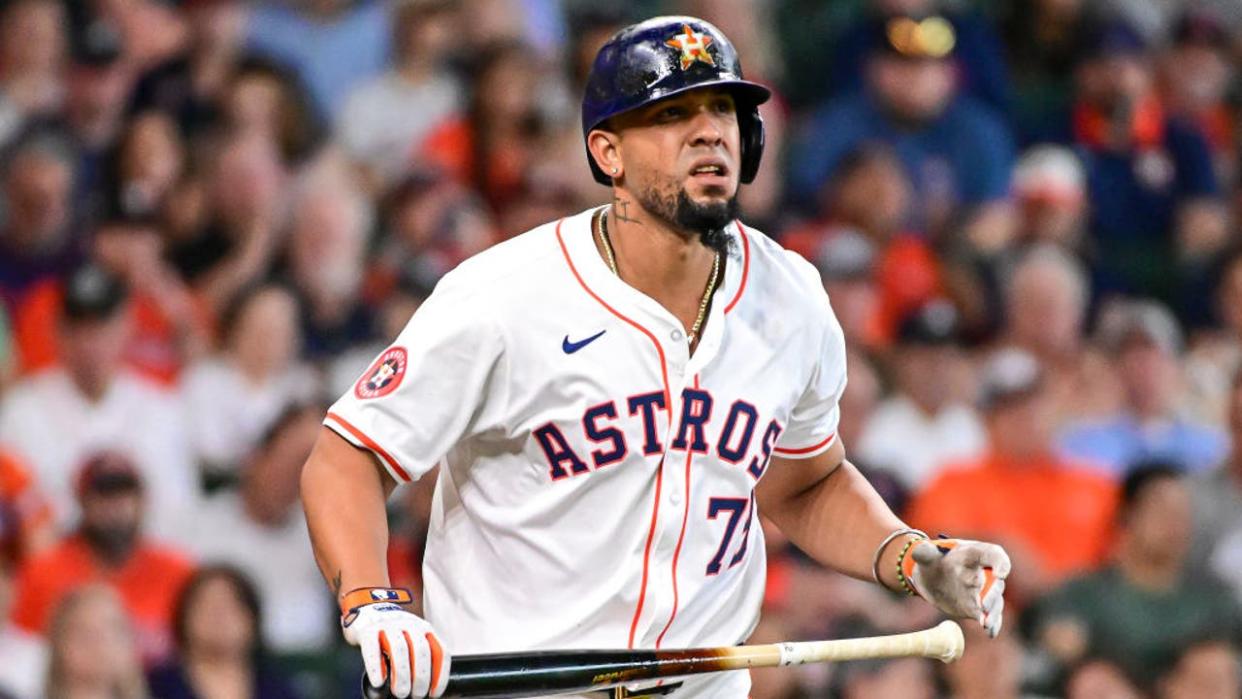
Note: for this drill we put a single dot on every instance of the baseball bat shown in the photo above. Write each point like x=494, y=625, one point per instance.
x=530, y=674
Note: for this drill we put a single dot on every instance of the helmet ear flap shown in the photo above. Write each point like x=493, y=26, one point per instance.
x=750, y=133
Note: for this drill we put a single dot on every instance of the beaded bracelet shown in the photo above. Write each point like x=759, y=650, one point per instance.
x=901, y=573
x=879, y=552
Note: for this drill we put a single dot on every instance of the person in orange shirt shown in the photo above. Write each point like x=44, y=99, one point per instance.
x=108, y=547
x=1052, y=515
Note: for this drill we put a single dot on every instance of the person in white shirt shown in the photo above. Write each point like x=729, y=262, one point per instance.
x=233, y=397
x=610, y=398
x=261, y=530
x=91, y=402
x=923, y=424
x=385, y=120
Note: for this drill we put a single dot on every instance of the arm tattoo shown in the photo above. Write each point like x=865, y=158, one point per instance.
x=336, y=584
x=621, y=210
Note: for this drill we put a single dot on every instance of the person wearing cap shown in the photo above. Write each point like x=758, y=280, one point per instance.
x=90, y=399
x=1049, y=184
x=957, y=152
x=1156, y=210
x=870, y=197
x=1145, y=341
x=923, y=425
x=1196, y=76
x=108, y=546
x=1054, y=513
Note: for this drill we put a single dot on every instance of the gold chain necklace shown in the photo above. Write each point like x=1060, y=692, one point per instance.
x=707, y=293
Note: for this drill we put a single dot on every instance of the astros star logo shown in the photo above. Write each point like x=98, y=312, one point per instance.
x=693, y=46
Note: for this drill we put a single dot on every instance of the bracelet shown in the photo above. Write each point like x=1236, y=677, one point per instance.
x=879, y=551
x=901, y=570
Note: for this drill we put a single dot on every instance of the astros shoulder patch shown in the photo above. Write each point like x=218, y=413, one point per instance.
x=384, y=376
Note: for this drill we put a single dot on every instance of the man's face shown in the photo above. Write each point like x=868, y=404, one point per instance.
x=1160, y=521
x=111, y=521
x=682, y=157
x=913, y=89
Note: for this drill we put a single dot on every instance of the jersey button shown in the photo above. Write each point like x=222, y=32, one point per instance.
x=674, y=498
x=676, y=335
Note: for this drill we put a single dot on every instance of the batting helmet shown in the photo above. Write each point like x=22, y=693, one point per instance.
x=666, y=56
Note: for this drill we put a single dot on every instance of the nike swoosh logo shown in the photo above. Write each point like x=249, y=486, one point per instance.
x=571, y=347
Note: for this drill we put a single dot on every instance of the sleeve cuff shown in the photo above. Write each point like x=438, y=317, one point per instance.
x=808, y=451
x=358, y=438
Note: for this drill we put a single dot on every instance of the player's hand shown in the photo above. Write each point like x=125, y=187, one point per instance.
x=398, y=647
x=962, y=578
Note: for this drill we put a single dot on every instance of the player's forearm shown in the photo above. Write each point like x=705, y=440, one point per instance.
x=839, y=520
x=343, y=492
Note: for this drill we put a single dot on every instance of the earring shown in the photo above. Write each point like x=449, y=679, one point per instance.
x=614, y=171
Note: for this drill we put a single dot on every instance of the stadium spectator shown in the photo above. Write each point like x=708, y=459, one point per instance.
x=329, y=228
x=922, y=424
x=1195, y=78
x=1146, y=344
x=1140, y=610
x=1094, y=678
x=93, y=653
x=1156, y=214
x=989, y=669
x=189, y=85
x=498, y=140
x=956, y=152
x=109, y=406
x=37, y=244
x=236, y=243
x=1046, y=297
x=1216, y=550
x=33, y=53
x=146, y=164
x=151, y=31
x=902, y=677
x=233, y=397
x=1049, y=184
x=1216, y=355
x=99, y=82
x=978, y=57
x=1208, y=669
x=265, y=100
x=261, y=530
x=331, y=44
x=870, y=194
x=220, y=646
x=1053, y=515
x=25, y=656
x=109, y=547
x=385, y=119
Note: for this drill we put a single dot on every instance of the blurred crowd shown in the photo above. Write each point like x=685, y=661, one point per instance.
x=215, y=213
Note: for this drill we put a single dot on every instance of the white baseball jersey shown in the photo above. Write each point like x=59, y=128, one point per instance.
x=597, y=480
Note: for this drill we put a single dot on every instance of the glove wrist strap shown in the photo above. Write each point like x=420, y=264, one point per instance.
x=354, y=599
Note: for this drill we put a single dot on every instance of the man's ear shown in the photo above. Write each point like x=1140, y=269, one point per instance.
x=605, y=149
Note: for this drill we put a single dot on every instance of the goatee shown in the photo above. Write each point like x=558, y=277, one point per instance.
x=710, y=220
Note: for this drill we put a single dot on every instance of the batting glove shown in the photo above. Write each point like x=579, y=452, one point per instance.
x=397, y=646
x=962, y=578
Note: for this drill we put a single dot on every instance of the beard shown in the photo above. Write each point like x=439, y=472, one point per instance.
x=113, y=543
x=709, y=220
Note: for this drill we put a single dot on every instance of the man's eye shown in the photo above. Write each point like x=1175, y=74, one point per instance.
x=670, y=113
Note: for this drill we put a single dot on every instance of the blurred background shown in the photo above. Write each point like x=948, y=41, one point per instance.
x=214, y=213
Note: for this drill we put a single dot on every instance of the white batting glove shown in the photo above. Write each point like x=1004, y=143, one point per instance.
x=397, y=646
x=962, y=578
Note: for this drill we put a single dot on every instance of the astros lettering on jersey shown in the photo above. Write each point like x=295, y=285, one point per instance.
x=597, y=480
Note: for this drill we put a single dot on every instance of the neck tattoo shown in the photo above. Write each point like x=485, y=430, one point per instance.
x=611, y=258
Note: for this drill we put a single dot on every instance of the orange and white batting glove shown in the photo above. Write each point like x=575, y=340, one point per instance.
x=962, y=578
x=397, y=646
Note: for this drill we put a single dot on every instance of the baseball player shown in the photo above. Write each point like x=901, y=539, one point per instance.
x=612, y=398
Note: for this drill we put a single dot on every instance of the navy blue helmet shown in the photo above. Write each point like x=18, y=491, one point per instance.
x=662, y=57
